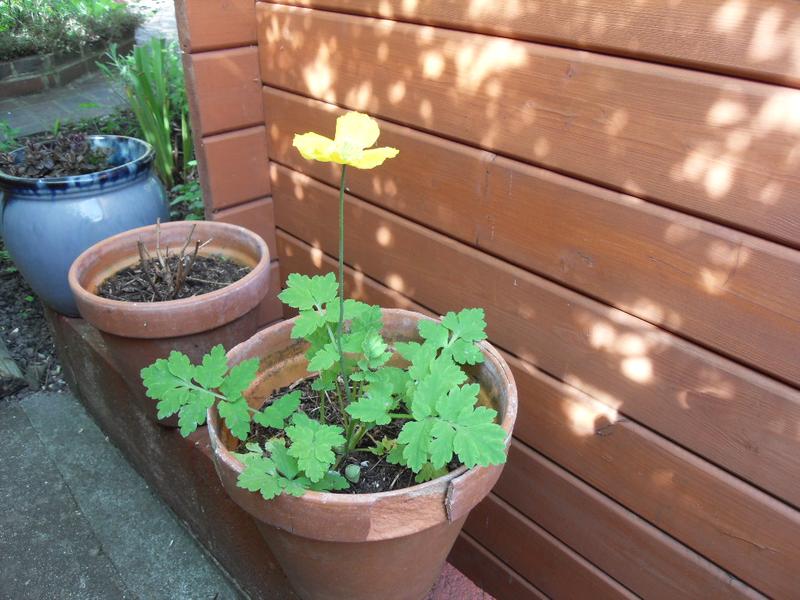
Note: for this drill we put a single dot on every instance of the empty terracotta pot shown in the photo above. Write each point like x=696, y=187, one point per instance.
x=389, y=545
x=138, y=333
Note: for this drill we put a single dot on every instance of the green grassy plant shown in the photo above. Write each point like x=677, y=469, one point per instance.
x=153, y=79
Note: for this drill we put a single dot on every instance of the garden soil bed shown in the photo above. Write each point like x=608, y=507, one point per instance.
x=24, y=331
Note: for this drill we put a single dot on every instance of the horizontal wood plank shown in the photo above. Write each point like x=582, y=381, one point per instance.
x=224, y=90
x=733, y=524
x=757, y=39
x=204, y=25
x=298, y=257
x=728, y=290
x=728, y=150
x=233, y=167
x=532, y=552
x=257, y=216
x=726, y=413
x=647, y=561
x=489, y=573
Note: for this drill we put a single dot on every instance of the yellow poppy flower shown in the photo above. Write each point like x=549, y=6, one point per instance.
x=355, y=133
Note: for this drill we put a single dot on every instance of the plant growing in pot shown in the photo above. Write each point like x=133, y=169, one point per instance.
x=60, y=195
x=185, y=285
x=359, y=438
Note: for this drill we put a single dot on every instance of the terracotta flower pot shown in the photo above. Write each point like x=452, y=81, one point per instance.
x=138, y=333
x=389, y=545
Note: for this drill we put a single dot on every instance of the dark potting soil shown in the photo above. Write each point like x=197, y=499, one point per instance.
x=377, y=475
x=208, y=273
x=25, y=333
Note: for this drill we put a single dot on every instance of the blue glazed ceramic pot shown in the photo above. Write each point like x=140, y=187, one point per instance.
x=46, y=223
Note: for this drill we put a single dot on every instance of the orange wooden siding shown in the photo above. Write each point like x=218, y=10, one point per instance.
x=220, y=60
x=617, y=185
x=759, y=39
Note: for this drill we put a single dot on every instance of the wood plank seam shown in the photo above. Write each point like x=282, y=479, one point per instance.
x=496, y=563
x=606, y=584
x=716, y=574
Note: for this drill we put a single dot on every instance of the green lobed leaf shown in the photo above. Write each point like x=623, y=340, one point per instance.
x=416, y=436
x=466, y=353
x=395, y=455
x=308, y=321
x=441, y=446
x=326, y=381
x=457, y=400
x=468, y=324
x=331, y=481
x=239, y=379
x=211, y=372
x=429, y=472
x=375, y=405
x=279, y=454
x=383, y=447
x=353, y=309
x=375, y=351
x=394, y=377
x=408, y=350
x=324, y=358
x=171, y=402
x=237, y=416
x=433, y=332
x=312, y=445
x=260, y=475
x=444, y=375
x=479, y=440
x=180, y=365
x=369, y=318
x=422, y=362
x=158, y=379
x=303, y=292
x=193, y=413
x=275, y=414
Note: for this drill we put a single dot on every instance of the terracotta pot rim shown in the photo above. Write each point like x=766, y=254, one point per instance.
x=329, y=498
x=152, y=310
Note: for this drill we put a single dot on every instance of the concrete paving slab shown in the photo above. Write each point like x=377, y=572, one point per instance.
x=153, y=554
x=47, y=547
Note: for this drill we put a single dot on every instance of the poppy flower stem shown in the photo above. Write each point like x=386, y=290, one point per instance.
x=340, y=326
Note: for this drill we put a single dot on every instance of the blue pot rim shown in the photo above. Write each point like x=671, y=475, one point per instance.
x=126, y=171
